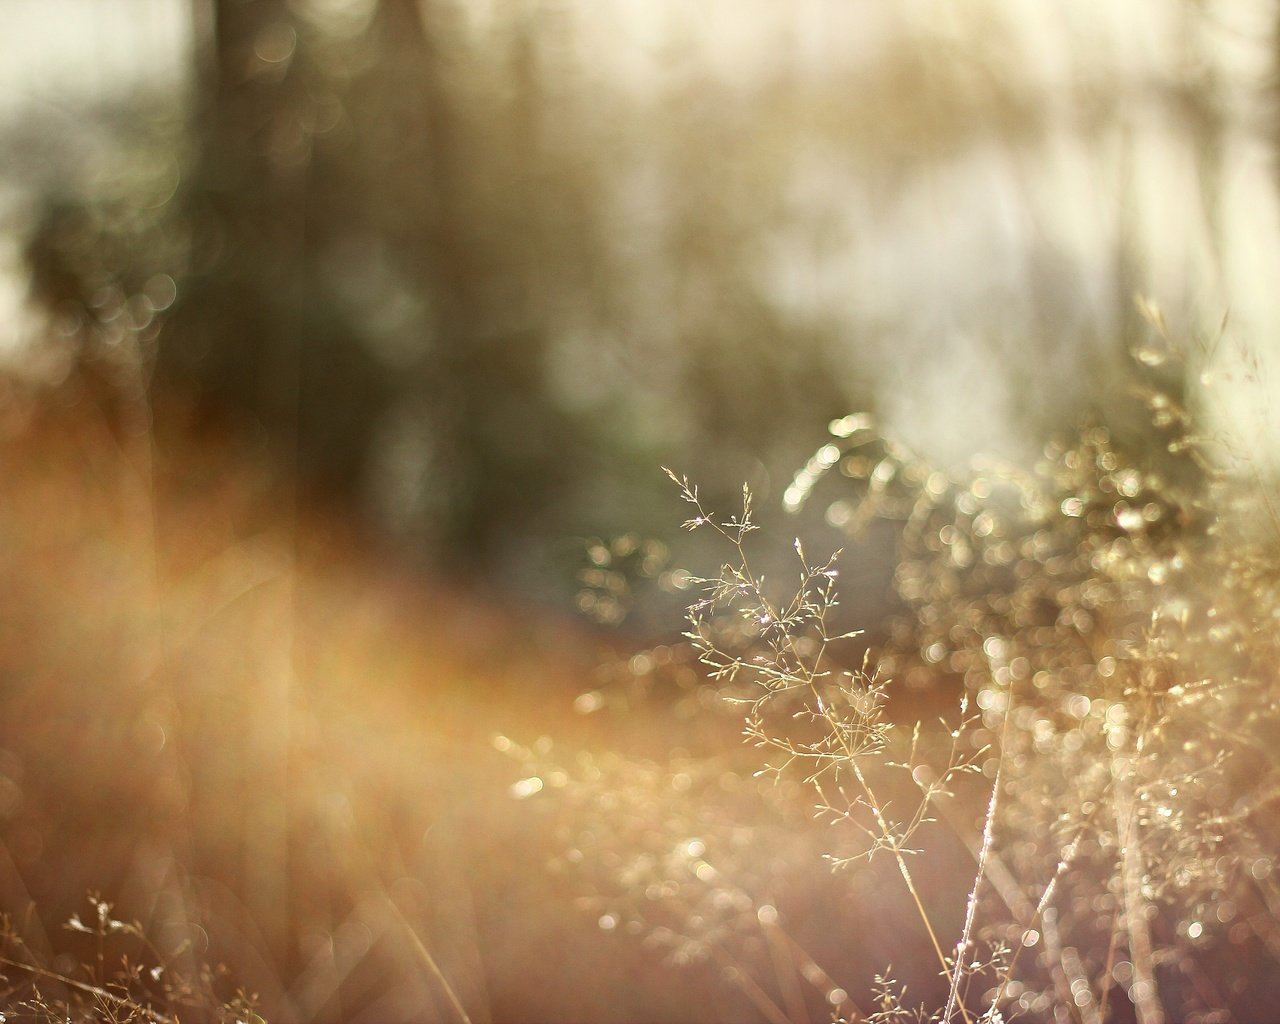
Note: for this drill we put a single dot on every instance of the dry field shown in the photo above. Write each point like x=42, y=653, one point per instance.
x=271, y=745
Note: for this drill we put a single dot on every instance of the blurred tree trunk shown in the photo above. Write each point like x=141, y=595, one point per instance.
x=238, y=338
x=247, y=207
x=437, y=164
x=459, y=136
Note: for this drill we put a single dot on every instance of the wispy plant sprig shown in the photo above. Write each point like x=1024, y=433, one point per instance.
x=833, y=718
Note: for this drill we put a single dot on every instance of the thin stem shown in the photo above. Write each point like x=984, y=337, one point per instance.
x=1142, y=991
x=988, y=831
x=425, y=956
x=1040, y=916
x=1104, y=994
x=784, y=969
x=758, y=996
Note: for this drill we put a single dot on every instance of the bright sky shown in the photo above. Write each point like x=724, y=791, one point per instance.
x=58, y=57
x=68, y=52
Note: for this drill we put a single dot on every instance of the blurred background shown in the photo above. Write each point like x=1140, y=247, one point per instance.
x=344, y=339
x=478, y=268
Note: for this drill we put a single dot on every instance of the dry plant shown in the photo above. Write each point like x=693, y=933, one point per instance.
x=1111, y=615
x=124, y=979
x=1105, y=621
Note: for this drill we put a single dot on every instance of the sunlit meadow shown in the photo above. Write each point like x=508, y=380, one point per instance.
x=358, y=659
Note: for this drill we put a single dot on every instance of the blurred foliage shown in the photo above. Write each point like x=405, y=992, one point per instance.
x=460, y=270
x=394, y=248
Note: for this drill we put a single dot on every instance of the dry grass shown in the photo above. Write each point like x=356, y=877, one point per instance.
x=1092, y=842
x=271, y=751
x=268, y=746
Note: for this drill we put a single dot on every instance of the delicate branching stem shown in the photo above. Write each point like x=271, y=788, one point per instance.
x=792, y=669
x=97, y=991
